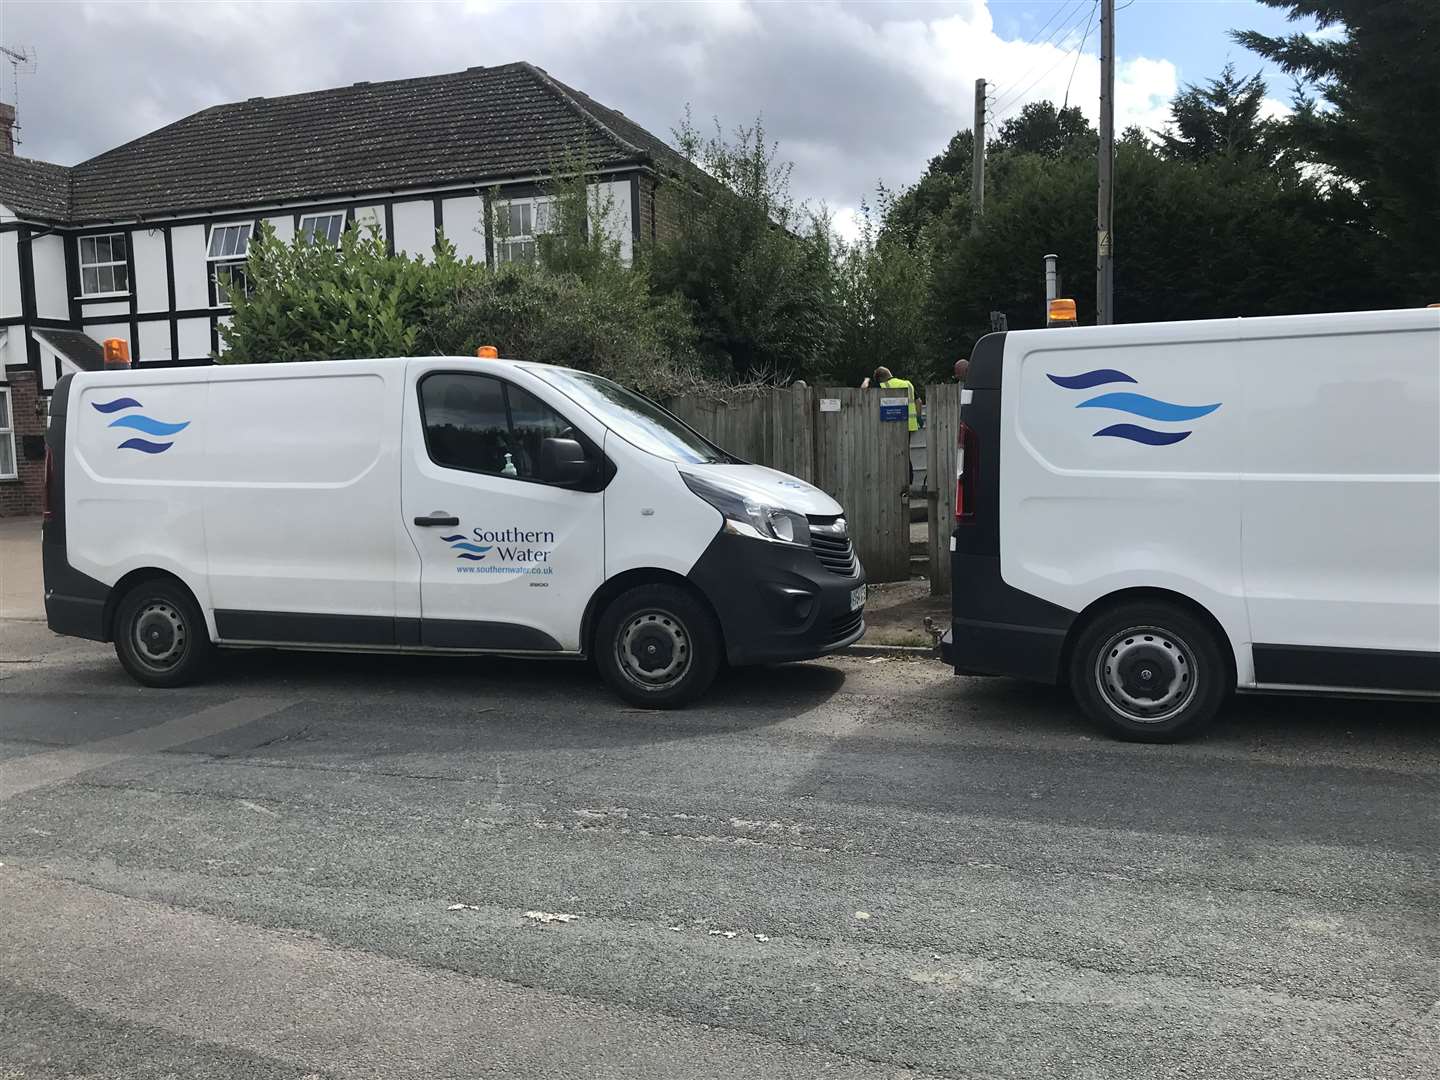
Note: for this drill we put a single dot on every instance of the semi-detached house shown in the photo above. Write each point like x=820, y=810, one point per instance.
x=146, y=241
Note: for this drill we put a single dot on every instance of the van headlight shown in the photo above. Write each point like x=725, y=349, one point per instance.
x=744, y=516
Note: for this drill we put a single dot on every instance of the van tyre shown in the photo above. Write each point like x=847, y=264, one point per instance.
x=1150, y=672
x=658, y=646
x=160, y=635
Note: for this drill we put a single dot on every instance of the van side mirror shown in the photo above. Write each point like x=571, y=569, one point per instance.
x=563, y=462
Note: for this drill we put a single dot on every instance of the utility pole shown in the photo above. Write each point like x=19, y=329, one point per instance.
x=977, y=167
x=1104, y=223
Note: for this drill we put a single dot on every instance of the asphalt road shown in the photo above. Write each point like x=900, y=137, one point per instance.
x=844, y=868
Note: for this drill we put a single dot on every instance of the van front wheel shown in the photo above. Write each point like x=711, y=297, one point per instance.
x=160, y=636
x=1149, y=672
x=658, y=646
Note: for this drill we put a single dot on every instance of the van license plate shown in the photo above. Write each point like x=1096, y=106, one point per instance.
x=857, y=598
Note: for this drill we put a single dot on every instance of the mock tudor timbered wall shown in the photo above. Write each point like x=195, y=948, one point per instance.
x=160, y=283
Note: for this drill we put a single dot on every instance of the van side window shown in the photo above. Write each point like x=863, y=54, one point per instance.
x=480, y=424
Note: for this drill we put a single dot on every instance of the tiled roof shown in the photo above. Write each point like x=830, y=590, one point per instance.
x=665, y=156
x=466, y=127
x=34, y=189
x=80, y=349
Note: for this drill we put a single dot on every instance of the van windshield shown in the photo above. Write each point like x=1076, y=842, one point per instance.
x=636, y=419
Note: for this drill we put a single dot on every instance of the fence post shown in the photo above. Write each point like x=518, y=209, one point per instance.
x=942, y=438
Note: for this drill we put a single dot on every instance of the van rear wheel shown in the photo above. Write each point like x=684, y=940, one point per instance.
x=658, y=646
x=1149, y=672
x=160, y=636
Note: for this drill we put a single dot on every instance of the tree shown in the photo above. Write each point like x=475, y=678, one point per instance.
x=882, y=284
x=1040, y=129
x=1376, y=71
x=946, y=179
x=1220, y=119
x=583, y=237
x=1195, y=240
x=1043, y=129
x=754, y=267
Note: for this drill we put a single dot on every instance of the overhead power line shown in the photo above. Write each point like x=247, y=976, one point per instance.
x=1080, y=51
x=1059, y=7
x=1071, y=14
x=1010, y=99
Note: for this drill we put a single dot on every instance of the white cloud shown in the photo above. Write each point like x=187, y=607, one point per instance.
x=1271, y=109
x=846, y=222
x=854, y=92
x=1333, y=32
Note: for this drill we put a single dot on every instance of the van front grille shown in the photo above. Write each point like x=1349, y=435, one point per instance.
x=830, y=540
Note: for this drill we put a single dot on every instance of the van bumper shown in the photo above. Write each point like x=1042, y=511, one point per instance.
x=76, y=616
x=75, y=603
x=776, y=602
x=999, y=630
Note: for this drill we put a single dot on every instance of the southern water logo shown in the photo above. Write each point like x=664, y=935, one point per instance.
x=460, y=544
x=147, y=425
x=510, y=550
x=1136, y=404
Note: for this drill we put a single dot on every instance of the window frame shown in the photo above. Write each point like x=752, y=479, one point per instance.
x=504, y=240
x=7, y=432
x=598, y=482
x=235, y=256
x=343, y=215
x=109, y=264
x=222, y=299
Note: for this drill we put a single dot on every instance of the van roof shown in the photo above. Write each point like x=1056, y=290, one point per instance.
x=302, y=368
x=1236, y=329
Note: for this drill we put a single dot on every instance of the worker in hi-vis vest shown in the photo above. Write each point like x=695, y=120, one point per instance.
x=886, y=381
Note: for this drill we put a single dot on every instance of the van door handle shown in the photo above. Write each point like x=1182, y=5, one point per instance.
x=439, y=517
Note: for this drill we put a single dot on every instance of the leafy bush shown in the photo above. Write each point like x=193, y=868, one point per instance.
x=578, y=307
x=312, y=301
x=606, y=322
x=755, y=268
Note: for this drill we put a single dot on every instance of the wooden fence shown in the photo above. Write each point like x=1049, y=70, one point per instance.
x=833, y=438
x=776, y=429
x=942, y=422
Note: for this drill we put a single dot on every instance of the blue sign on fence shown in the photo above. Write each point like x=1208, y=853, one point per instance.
x=894, y=408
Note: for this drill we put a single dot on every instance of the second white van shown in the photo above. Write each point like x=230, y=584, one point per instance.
x=1159, y=514
x=435, y=504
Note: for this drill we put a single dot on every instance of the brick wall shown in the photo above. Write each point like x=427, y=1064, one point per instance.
x=659, y=210
x=23, y=496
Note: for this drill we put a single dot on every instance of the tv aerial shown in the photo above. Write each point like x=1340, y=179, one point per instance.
x=22, y=62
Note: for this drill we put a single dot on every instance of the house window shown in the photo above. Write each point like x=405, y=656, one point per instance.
x=229, y=246
x=103, y=270
x=230, y=241
x=7, y=437
x=231, y=279
x=518, y=225
x=326, y=227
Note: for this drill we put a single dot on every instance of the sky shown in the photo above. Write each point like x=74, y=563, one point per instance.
x=855, y=93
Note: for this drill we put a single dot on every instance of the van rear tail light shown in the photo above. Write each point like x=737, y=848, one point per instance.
x=967, y=464
x=47, y=503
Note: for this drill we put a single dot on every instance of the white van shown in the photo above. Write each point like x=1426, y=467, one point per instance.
x=1160, y=514
x=429, y=505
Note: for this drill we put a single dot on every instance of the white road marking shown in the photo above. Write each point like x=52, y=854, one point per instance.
x=41, y=770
